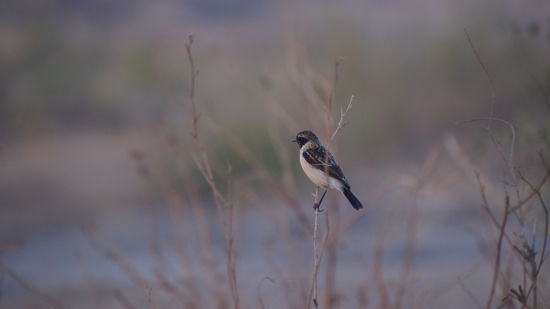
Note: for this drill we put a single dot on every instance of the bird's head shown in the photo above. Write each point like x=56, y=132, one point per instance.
x=305, y=136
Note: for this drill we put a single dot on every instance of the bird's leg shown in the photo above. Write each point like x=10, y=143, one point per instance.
x=317, y=205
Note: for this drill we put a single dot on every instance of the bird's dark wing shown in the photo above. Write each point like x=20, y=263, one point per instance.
x=323, y=160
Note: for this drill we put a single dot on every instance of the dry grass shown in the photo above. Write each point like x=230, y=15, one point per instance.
x=209, y=249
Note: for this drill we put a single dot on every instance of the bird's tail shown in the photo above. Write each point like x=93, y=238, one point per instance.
x=352, y=199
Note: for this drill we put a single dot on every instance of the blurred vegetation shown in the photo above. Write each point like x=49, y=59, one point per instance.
x=71, y=70
x=87, y=85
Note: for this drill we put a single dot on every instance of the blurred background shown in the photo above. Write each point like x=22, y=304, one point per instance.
x=102, y=204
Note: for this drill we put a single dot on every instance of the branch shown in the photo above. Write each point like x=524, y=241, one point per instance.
x=507, y=159
x=496, y=265
x=536, y=268
x=223, y=203
x=489, y=78
x=317, y=255
x=342, y=123
x=194, y=73
x=533, y=193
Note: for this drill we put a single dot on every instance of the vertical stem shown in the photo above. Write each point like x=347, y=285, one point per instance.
x=315, y=250
x=318, y=248
x=223, y=203
x=331, y=260
x=496, y=266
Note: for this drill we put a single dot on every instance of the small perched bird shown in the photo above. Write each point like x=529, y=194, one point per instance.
x=321, y=168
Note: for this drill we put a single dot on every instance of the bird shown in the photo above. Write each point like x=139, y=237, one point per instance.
x=321, y=168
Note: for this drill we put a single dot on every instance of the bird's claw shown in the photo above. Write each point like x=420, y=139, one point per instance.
x=317, y=207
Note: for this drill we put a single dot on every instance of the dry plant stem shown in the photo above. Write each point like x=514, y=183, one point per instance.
x=502, y=235
x=317, y=254
x=408, y=266
x=332, y=95
x=489, y=79
x=331, y=295
x=540, y=87
x=487, y=208
x=231, y=267
x=29, y=287
x=312, y=298
x=469, y=293
x=174, y=202
x=536, y=268
x=224, y=204
x=378, y=270
x=123, y=263
x=342, y=122
x=537, y=188
x=244, y=152
x=509, y=161
x=496, y=265
x=277, y=118
x=194, y=73
x=204, y=238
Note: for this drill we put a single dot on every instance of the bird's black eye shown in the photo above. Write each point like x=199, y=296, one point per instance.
x=301, y=141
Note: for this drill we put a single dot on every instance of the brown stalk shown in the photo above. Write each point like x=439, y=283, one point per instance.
x=535, y=271
x=407, y=271
x=317, y=256
x=193, y=73
x=496, y=264
x=224, y=204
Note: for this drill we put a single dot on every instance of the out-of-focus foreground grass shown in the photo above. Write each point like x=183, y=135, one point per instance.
x=102, y=203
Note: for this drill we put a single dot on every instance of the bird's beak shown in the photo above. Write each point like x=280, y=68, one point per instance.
x=294, y=141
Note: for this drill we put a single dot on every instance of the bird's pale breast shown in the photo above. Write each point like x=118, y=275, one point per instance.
x=317, y=176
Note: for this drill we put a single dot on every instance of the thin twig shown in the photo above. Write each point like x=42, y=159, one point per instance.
x=316, y=253
x=312, y=297
x=246, y=154
x=487, y=208
x=506, y=123
x=532, y=193
x=342, y=122
x=535, y=272
x=508, y=160
x=496, y=265
x=541, y=89
x=469, y=293
x=29, y=287
x=193, y=74
x=489, y=78
x=224, y=204
x=407, y=270
x=332, y=95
